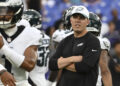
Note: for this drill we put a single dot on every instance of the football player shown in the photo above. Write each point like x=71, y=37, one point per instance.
x=37, y=75
x=57, y=36
x=60, y=34
x=18, y=45
x=104, y=72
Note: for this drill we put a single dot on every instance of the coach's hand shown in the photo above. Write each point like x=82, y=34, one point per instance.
x=1, y=42
x=76, y=58
x=7, y=79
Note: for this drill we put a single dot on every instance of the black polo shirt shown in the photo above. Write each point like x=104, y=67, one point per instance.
x=87, y=70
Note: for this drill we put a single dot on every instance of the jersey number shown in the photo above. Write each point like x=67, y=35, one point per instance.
x=43, y=56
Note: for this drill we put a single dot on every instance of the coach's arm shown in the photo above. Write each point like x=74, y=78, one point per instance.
x=57, y=62
x=90, y=56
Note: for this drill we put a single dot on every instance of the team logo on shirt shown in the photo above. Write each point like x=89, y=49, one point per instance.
x=93, y=50
x=80, y=44
x=79, y=9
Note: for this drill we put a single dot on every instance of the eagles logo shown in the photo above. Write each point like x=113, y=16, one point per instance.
x=106, y=44
x=70, y=9
x=79, y=9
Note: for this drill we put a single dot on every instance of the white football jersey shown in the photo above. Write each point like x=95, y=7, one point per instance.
x=60, y=34
x=21, y=40
x=37, y=75
x=23, y=22
x=105, y=44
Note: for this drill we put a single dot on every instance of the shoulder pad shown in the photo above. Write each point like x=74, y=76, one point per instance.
x=105, y=43
x=58, y=35
x=68, y=33
x=24, y=23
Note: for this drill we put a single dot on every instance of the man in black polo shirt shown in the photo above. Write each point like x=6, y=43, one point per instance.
x=78, y=54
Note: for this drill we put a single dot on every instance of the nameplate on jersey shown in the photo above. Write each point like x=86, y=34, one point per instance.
x=45, y=41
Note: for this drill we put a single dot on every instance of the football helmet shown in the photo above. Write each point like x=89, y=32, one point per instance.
x=10, y=13
x=95, y=24
x=66, y=17
x=34, y=18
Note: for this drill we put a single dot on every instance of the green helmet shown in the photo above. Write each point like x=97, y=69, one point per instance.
x=95, y=24
x=10, y=13
x=34, y=18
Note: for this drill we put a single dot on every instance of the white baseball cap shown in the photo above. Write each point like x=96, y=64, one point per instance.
x=81, y=10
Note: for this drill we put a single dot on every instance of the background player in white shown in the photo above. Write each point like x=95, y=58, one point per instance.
x=60, y=34
x=37, y=75
x=104, y=72
x=57, y=36
x=18, y=45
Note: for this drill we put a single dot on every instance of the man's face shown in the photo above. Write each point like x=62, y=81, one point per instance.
x=78, y=22
x=5, y=14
